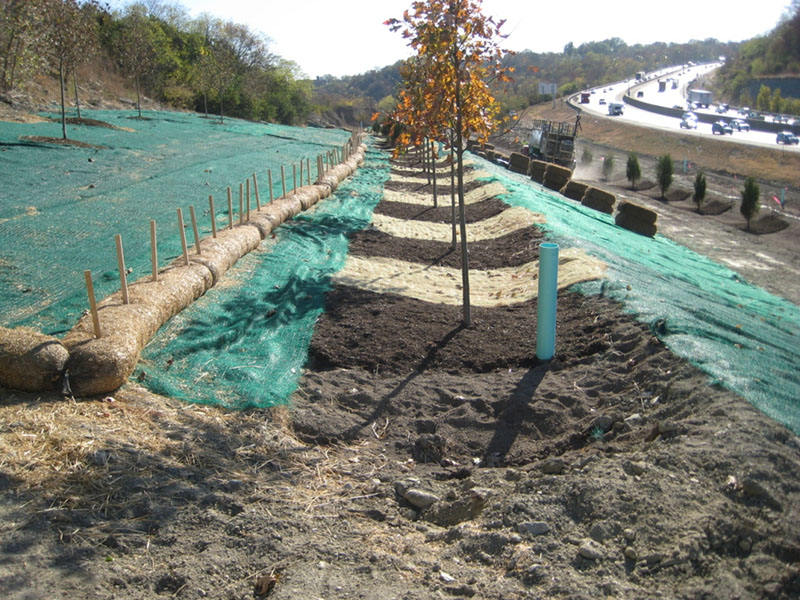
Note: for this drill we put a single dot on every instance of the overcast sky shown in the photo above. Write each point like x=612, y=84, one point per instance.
x=348, y=37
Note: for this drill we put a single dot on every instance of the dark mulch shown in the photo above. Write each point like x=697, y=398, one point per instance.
x=473, y=213
x=514, y=249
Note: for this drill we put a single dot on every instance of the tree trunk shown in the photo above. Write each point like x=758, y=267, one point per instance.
x=75, y=85
x=433, y=170
x=453, y=194
x=138, y=98
x=63, y=112
x=461, y=215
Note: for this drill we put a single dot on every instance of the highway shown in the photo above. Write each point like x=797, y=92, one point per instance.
x=647, y=91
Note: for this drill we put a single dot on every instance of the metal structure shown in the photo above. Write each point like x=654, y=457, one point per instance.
x=554, y=141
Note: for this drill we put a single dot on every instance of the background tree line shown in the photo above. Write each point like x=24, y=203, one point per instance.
x=774, y=54
x=576, y=68
x=204, y=64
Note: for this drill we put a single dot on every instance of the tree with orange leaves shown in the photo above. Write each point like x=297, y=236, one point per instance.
x=446, y=94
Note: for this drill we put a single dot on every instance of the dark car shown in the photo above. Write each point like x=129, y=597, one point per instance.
x=787, y=137
x=722, y=128
x=740, y=125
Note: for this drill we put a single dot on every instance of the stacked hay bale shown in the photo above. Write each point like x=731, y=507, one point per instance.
x=636, y=218
x=537, y=170
x=556, y=176
x=599, y=200
x=518, y=163
x=574, y=190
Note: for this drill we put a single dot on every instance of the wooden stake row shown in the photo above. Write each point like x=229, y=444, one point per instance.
x=323, y=164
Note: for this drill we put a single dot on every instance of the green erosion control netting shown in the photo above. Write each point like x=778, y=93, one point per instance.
x=60, y=206
x=245, y=342
x=743, y=337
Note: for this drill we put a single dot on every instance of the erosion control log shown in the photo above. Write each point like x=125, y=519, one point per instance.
x=98, y=366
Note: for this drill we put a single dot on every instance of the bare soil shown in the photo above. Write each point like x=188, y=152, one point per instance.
x=420, y=459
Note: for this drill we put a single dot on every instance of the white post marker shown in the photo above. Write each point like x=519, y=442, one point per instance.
x=546, y=301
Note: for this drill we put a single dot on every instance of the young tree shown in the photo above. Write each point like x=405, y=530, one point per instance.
x=664, y=173
x=137, y=53
x=71, y=35
x=699, y=189
x=632, y=170
x=459, y=54
x=608, y=166
x=750, y=196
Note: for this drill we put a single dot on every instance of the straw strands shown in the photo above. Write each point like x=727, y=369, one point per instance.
x=442, y=285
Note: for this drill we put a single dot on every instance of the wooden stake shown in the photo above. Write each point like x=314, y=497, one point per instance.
x=283, y=181
x=87, y=275
x=183, y=238
x=294, y=178
x=255, y=186
x=153, y=249
x=269, y=183
x=123, y=278
x=194, y=230
x=308, y=170
x=301, y=172
x=248, y=199
x=230, y=209
x=213, y=216
x=241, y=204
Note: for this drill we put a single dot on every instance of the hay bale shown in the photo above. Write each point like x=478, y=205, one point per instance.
x=631, y=223
x=639, y=213
x=574, y=189
x=30, y=361
x=518, y=163
x=599, y=200
x=537, y=169
x=556, y=176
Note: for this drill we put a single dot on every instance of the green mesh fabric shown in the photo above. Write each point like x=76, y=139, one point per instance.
x=245, y=342
x=745, y=338
x=60, y=206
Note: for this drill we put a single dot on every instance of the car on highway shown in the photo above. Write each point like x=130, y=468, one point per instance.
x=788, y=138
x=687, y=123
x=721, y=109
x=602, y=101
x=740, y=125
x=721, y=127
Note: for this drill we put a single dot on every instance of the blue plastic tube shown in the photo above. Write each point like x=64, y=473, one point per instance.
x=546, y=306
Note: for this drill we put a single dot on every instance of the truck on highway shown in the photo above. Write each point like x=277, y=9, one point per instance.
x=700, y=97
x=585, y=96
x=639, y=76
x=615, y=108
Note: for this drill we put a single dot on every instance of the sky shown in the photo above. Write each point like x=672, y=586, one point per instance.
x=348, y=37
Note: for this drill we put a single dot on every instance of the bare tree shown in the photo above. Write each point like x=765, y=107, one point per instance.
x=21, y=32
x=71, y=35
x=138, y=55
